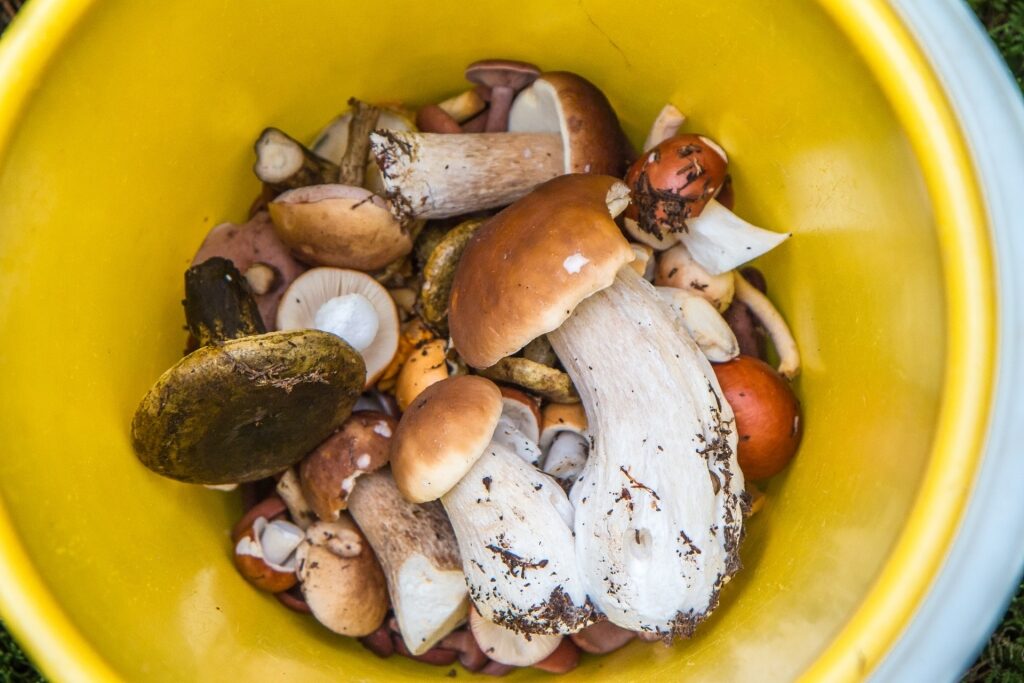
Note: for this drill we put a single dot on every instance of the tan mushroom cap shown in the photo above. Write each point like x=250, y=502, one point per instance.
x=568, y=104
x=561, y=417
x=539, y=258
x=328, y=474
x=425, y=366
x=442, y=434
x=339, y=225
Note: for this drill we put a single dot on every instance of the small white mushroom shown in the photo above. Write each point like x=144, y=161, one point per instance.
x=773, y=322
x=506, y=646
x=346, y=303
x=703, y=323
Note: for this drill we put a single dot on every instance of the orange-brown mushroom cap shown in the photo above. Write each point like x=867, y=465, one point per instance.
x=526, y=269
x=442, y=434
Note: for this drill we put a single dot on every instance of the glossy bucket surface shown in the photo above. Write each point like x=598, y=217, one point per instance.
x=126, y=132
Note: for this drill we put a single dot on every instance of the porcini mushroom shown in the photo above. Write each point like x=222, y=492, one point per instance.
x=512, y=522
x=561, y=124
x=340, y=578
x=414, y=544
x=658, y=508
x=349, y=304
x=563, y=440
x=673, y=187
x=510, y=647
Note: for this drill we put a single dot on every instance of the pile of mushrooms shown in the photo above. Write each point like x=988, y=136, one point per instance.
x=494, y=389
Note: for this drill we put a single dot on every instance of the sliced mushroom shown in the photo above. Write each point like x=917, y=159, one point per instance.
x=265, y=554
x=560, y=124
x=511, y=647
x=349, y=304
x=703, y=323
x=763, y=309
x=655, y=539
x=416, y=547
x=340, y=578
x=676, y=268
x=512, y=522
x=563, y=440
x=260, y=255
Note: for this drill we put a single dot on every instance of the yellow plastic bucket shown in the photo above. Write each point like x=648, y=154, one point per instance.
x=126, y=132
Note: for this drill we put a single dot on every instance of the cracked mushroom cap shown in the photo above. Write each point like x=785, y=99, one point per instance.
x=541, y=256
x=565, y=103
x=329, y=473
x=349, y=304
x=442, y=435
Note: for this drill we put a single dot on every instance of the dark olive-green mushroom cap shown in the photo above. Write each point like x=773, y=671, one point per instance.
x=248, y=408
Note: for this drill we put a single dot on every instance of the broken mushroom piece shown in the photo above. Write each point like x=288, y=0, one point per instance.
x=504, y=78
x=340, y=578
x=548, y=382
x=260, y=255
x=563, y=440
x=289, y=488
x=265, y=554
x=339, y=225
x=283, y=163
x=764, y=310
x=506, y=646
x=248, y=408
x=673, y=187
x=560, y=124
x=676, y=268
x=349, y=304
x=703, y=323
x=512, y=522
x=658, y=508
x=416, y=547
x=425, y=366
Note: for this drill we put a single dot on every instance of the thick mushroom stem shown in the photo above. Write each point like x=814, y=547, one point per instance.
x=763, y=309
x=283, y=163
x=514, y=524
x=659, y=505
x=432, y=175
x=416, y=548
x=720, y=241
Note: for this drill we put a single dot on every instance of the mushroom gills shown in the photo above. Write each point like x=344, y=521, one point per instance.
x=514, y=526
x=659, y=505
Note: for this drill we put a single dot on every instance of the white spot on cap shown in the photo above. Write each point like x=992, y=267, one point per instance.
x=527, y=153
x=574, y=264
x=363, y=461
x=382, y=429
x=586, y=169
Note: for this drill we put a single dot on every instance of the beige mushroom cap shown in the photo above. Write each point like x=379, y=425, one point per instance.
x=339, y=225
x=540, y=257
x=442, y=434
x=329, y=473
x=341, y=579
x=561, y=417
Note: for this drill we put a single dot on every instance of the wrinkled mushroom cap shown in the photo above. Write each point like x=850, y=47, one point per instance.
x=540, y=257
x=568, y=104
x=315, y=287
x=329, y=473
x=442, y=434
x=341, y=580
x=339, y=225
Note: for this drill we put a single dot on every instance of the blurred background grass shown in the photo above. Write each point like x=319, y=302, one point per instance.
x=1002, y=660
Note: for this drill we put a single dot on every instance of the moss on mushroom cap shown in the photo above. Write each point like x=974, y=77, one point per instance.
x=248, y=408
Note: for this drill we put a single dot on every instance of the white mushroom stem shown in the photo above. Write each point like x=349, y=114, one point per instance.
x=720, y=241
x=702, y=321
x=417, y=550
x=509, y=435
x=666, y=124
x=659, y=506
x=351, y=317
x=764, y=310
x=566, y=456
x=432, y=175
x=514, y=526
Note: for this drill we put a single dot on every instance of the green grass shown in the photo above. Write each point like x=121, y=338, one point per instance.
x=1002, y=661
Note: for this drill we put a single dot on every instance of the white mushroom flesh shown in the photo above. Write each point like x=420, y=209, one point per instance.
x=659, y=505
x=676, y=268
x=705, y=325
x=508, y=434
x=514, y=527
x=290, y=490
x=666, y=125
x=506, y=646
x=566, y=456
x=720, y=241
x=273, y=542
x=351, y=317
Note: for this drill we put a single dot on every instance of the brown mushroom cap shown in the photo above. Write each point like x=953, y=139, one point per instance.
x=540, y=257
x=502, y=73
x=250, y=244
x=339, y=225
x=442, y=434
x=329, y=473
x=568, y=104
x=561, y=417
